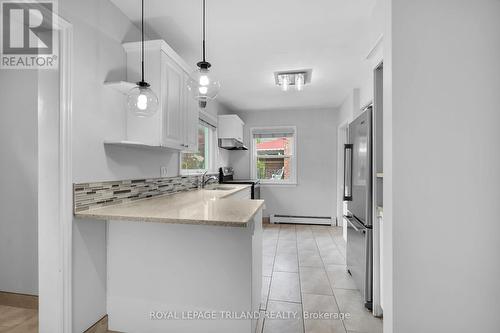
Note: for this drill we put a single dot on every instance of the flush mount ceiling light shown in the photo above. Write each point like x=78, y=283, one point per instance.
x=296, y=79
x=141, y=100
x=203, y=85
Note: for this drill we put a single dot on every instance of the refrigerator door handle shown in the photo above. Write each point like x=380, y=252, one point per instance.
x=355, y=224
x=348, y=150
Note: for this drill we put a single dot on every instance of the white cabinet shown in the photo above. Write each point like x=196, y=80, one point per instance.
x=192, y=117
x=173, y=104
x=175, y=125
x=230, y=127
x=246, y=193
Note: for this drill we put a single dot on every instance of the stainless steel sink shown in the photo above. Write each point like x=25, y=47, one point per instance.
x=220, y=188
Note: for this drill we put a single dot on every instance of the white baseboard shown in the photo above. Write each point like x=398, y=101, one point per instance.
x=276, y=218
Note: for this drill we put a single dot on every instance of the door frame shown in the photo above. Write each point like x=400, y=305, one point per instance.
x=341, y=141
x=378, y=108
x=55, y=194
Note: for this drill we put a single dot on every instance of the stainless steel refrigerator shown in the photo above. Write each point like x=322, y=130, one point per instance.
x=358, y=194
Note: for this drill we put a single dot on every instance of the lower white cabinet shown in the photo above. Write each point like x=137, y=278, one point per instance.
x=175, y=125
x=246, y=193
x=181, y=268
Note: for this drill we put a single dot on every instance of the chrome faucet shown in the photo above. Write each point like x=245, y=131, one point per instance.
x=205, y=180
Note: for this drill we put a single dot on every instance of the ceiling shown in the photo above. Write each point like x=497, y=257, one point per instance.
x=247, y=41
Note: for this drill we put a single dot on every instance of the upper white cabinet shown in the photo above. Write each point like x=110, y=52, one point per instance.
x=174, y=105
x=175, y=124
x=193, y=116
x=230, y=127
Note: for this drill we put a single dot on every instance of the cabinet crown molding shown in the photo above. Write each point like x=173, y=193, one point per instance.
x=161, y=45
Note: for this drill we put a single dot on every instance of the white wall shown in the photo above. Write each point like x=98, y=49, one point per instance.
x=99, y=30
x=50, y=278
x=351, y=107
x=387, y=234
x=315, y=193
x=99, y=114
x=444, y=211
x=18, y=179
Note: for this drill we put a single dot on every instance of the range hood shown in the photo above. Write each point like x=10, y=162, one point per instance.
x=230, y=131
x=232, y=144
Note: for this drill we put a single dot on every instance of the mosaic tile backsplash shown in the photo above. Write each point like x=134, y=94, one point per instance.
x=95, y=195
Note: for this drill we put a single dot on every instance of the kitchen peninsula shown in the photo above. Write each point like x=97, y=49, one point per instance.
x=192, y=251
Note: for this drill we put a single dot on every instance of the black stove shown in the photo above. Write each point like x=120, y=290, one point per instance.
x=226, y=176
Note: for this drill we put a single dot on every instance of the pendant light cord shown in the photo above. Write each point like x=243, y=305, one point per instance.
x=204, y=24
x=142, y=44
x=203, y=64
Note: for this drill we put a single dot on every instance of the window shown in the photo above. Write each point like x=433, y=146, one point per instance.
x=274, y=155
x=204, y=159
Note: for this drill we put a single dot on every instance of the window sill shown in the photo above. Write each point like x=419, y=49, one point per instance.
x=197, y=173
x=273, y=184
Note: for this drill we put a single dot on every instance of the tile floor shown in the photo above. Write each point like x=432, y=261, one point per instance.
x=304, y=270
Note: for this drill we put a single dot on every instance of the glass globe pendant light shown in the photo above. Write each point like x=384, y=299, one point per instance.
x=141, y=100
x=202, y=84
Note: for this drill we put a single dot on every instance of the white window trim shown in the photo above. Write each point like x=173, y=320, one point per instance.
x=253, y=157
x=212, y=157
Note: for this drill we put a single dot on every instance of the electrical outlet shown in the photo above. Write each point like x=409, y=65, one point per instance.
x=163, y=171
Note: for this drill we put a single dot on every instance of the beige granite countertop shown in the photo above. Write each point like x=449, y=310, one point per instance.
x=210, y=207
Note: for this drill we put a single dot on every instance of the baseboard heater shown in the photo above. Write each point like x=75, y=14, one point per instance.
x=324, y=220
